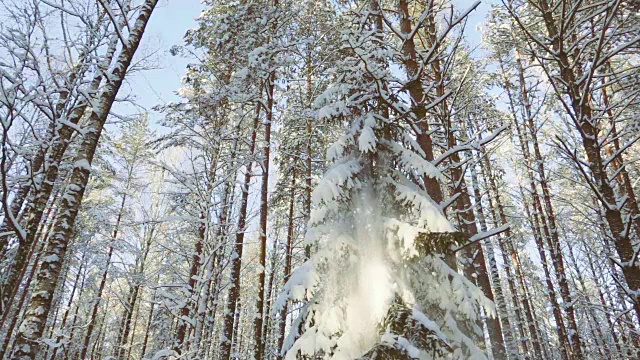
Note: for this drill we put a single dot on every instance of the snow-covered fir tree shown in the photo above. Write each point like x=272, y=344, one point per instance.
x=383, y=245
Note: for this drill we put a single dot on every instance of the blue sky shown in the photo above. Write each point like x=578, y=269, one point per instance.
x=168, y=24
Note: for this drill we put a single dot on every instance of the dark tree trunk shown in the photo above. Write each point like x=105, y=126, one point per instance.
x=236, y=258
x=287, y=266
x=196, y=261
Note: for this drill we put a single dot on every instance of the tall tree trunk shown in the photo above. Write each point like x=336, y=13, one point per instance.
x=191, y=284
x=19, y=276
x=215, y=281
x=477, y=268
x=267, y=326
x=236, y=257
x=554, y=241
x=603, y=302
x=493, y=265
x=309, y=153
x=68, y=309
x=588, y=311
x=619, y=166
x=132, y=298
x=26, y=346
x=99, y=343
x=105, y=272
x=9, y=332
x=536, y=208
x=287, y=264
x=213, y=264
x=38, y=202
x=71, y=336
x=123, y=334
x=7, y=229
x=508, y=261
x=416, y=92
x=583, y=115
x=147, y=331
x=56, y=138
x=264, y=208
x=532, y=216
x=133, y=331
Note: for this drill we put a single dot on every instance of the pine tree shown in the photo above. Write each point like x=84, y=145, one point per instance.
x=360, y=239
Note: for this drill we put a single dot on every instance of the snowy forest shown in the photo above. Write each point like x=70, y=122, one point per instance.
x=337, y=179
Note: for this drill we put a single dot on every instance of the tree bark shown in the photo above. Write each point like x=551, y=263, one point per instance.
x=536, y=207
x=26, y=345
x=68, y=309
x=287, y=266
x=143, y=351
x=38, y=202
x=501, y=305
x=416, y=92
x=264, y=208
x=103, y=281
x=555, y=250
x=196, y=261
x=583, y=116
x=123, y=334
x=508, y=261
x=236, y=257
x=551, y=293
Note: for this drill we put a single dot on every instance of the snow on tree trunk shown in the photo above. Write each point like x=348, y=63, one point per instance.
x=31, y=329
x=37, y=202
x=236, y=256
x=366, y=221
x=574, y=85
